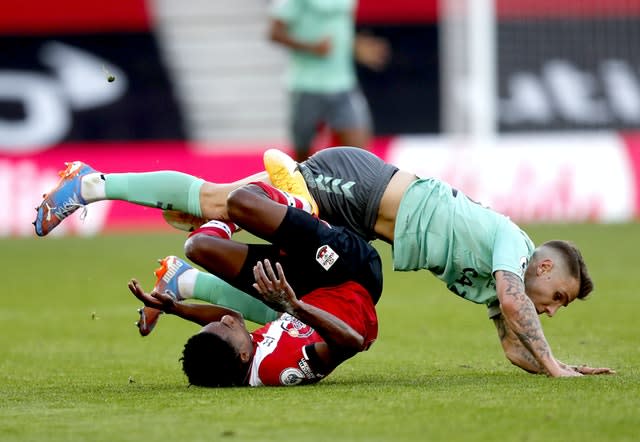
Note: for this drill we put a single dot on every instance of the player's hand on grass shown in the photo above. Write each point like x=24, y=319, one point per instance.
x=160, y=301
x=566, y=372
x=273, y=287
x=585, y=369
x=593, y=370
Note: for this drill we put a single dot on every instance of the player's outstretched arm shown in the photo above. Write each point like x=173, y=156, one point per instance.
x=521, y=357
x=341, y=340
x=521, y=318
x=201, y=314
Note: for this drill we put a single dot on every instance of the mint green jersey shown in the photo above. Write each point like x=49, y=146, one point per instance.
x=311, y=21
x=461, y=242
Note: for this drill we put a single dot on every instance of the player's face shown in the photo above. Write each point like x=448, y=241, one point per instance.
x=551, y=288
x=232, y=330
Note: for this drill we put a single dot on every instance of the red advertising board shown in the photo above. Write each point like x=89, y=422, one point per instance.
x=21, y=17
x=632, y=142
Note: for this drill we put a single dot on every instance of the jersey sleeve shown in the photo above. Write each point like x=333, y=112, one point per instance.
x=351, y=303
x=285, y=10
x=511, y=250
x=281, y=356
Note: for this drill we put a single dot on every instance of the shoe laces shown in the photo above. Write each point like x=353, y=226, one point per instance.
x=69, y=207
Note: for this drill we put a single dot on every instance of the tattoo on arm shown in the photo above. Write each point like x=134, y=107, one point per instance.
x=525, y=323
x=501, y=327
x=515, y=351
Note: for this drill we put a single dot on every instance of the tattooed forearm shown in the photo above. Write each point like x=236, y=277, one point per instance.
x=502, y=329
x=521, y=317
x=514, y=350
x=527, y=362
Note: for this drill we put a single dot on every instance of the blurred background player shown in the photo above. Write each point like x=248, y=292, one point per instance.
x=336, y=274
x=321, y=79
x=480, y=254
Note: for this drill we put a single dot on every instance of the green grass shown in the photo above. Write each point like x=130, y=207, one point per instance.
x=73, y=368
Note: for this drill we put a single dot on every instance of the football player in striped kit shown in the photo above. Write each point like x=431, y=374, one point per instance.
x=327, y=298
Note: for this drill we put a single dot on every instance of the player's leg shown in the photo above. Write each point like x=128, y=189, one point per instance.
x=211, y=247
x=315, y=254
x=259, y=208
x=213, y=196
x=213, y=203
x=229, y=260
x=81, y=185
x=284, y=173
x=262, y=210
x=212, y=289
x=306, y=113
x=183, y=281
x=346, y=183
x=354, y=137
x=350, y=119
x=176, y=192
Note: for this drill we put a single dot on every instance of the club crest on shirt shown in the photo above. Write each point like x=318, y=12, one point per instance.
x=326, y=256
x=291, y=376
x=295, y=327
x=524, y=262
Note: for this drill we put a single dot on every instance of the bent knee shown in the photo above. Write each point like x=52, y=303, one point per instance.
x=194, y=246
x=241, y=202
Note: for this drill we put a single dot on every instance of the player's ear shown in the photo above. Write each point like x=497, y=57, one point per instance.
x=544, y=266
x=245, y=356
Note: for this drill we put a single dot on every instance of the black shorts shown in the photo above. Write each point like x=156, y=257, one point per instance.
x=348, y=183
x=313, y=255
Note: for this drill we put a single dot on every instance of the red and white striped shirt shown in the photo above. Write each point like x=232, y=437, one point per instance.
x=280, y=357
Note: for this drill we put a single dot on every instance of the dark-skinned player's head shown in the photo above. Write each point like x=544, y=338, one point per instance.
x=208, y=360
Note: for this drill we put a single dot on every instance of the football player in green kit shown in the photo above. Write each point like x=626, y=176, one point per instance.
x=322, y=46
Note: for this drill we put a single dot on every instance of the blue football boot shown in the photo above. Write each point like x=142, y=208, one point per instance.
x=167, y=275
x=63, y=200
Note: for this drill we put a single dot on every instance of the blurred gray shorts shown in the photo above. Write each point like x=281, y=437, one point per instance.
x=340, y=111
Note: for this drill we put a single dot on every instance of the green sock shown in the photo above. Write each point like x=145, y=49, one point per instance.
x=165, y=190
x=214, y=290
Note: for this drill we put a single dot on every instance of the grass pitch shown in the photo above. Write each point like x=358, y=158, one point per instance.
x=73, y=367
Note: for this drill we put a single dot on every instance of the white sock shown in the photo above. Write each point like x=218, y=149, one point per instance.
x=186, y=283
x=297, y=201
x=92, y=187
x=306, y=205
